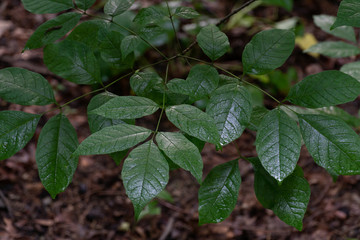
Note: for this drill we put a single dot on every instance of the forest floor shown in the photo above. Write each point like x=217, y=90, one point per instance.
x=95, y=205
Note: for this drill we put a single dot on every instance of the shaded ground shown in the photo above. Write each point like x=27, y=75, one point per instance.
x=95, y=205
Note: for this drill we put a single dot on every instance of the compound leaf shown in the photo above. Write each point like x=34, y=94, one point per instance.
x=16, y=130
x=113, y=139
x=52, y=30
x=56, y=164
x=348, y=14
x=24, y=87
x=73, y=61
x=213, y=42
x=110, y=45
x=202, y=81
x=324, y=89
x=278, y=144
x=145, y=174
x=47, y=6
x=117, y=7
x=332, y=143
x=219, y=192
x=186, y=12
x=147, y=84
x=288, y=200
x=126, y=107
x=334, y=49
x=325, y=22
x=230, y=106
x=129, y=44
x=84, y=4
x=181, y=151
x=268, y=50
x=194, y=122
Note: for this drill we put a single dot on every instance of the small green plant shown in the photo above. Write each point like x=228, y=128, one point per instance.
x=117, y=39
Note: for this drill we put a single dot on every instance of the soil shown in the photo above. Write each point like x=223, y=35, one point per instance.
x=95, y=205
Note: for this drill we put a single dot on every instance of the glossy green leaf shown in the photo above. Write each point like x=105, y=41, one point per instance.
x=145, y=174
x=334, y=49
x=268, y=50
x=231, y=108
x=87, y=32
x=257, y=115
x=117, y=7
x=288, y=200
x=219, y=192
x=47, y=6
x=353, y=69
x=84, y=4
x=325, y=22
x=292, y=111
x=147, y=84
x=73, y=61
x=110, y=45
x=182, y=152
x=52, y=30
x=324, y=89
x=24, y=87
x=287, y=4
x=202, y=81
x=194, y=122
x=348, y=14
x=16, y=130
x=186, y=12
x=129, y=44
x=113, y=139
x=56, y=164
x=149, y=15
x=213, y=42
x=97, y=122
x=332, y=143
x=278, y=144
x=127, y=107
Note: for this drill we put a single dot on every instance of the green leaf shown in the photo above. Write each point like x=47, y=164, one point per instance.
x=52, y=30
x=213, y=42
x=148, y=84
x=129, y=44
x=117, y=7
x=126, y=107
x=324, y=89
x=84, y=4
x=194, y=122
x=231, y=108
x=278, y=144
x=288, y=200
x=47, y=6
x=268, y=50
x=348, y=14
x=257, y=115
x=110, y=45
x=334, y=49
x=287, y=4
x=97, y=122
x=332, y=143
x=145, y=174
x=186, y=12
x=149, y=15
x=325, y=22
x=87, y=33
x=202, y=81
x=219, y=192
x=16, y=130
x=353, y=69
x=182, y=152
x=24, y=87
x=56, y=144
x=73, y=61
x=113, y=139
